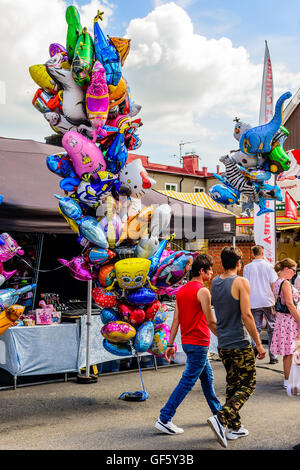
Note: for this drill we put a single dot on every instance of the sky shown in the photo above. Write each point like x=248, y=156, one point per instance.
x=193, y=65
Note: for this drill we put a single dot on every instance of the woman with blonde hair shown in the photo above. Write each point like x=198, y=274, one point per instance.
x=287, y=326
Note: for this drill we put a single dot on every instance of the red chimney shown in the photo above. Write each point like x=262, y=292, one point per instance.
x=190, y=163
x=204, y=169
x=218, y=169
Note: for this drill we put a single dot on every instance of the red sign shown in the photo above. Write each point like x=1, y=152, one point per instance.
x=290, y=207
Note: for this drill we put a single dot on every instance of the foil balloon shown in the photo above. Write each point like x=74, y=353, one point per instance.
x=85, y=155
x=107, y=315
x=9, y=297
x=118, y=332
x=160, y=220
x=133, y=315
x=103, y=298
x=153, y=309
x=90, y=229
x=156, y=258
x=123, y=47
x=161, y=315
x=9, y=316
x=9, y=248
x=107, y=54
x=141, y=296
x=135, y=175
x=224, y=194
x=72, y=224
x=2, y=279
x=123, y=252
x=46, y=101
x=56, y=48
x=144, y=337
x=73, y=98
x=42, y=78
x=173, y=268
x=147, y=247
x=258, y=139
x=118, y=349
x=69, y=207
x=61, y=165
x=83, y=59
x=160, y=340
x=136, y=226
x=132, y=273
x=97, y=100
x=74, y=30
x=106, y=275
x=116, y=154
x=98, y=255
x=78, y=268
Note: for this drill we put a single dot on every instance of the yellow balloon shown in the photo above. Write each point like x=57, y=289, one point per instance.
x=132, y=272
x=41, y=77
x=9, y=316
x=71, y=222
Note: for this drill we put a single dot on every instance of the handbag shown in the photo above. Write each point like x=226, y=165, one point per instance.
x=293, y=385
x=279, y=306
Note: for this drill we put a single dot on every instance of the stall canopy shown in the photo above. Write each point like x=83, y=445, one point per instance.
x=209, y=219
x=28, y=203
x=27, y=187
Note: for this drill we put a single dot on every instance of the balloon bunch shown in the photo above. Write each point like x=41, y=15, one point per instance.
x=85, y=97
x=260, y=155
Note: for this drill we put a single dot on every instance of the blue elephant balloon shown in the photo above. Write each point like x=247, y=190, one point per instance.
x=90, y=229
x=69, y=207
x=61, y=165
x=144, y=337
x=141, y=296
x=107, y=315
x=119, y=349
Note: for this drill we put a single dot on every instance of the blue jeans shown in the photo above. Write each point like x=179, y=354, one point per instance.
x=197, y=367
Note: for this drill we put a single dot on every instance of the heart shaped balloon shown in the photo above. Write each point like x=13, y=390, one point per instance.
x=104, y=299
x=133, y=315
x=152, y=309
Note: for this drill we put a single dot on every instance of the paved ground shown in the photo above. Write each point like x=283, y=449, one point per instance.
x=77, y=416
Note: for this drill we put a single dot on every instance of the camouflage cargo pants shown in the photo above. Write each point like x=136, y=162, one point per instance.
x=240, y=383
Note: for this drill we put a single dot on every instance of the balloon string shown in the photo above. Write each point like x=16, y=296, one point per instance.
x=40, y=270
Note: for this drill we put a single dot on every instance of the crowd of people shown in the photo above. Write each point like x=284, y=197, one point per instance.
x=234, y=311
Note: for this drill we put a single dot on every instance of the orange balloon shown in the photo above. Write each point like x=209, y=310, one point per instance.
x=9, y=316
x=106, y=275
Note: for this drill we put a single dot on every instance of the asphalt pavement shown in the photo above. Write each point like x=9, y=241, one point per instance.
x=69, y=416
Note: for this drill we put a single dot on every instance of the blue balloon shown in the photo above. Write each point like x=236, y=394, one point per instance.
x=69, y=207
x=224, y=194
x=1, y=198
x=116, y=155
x=70, y=184
x=61, y=165
x=107, y=315
x=144, y=337
x=90, y=228
x=155, y=259
x=119, y=349
x=141, y=296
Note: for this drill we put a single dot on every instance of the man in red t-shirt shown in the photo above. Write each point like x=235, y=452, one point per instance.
x=194, y=315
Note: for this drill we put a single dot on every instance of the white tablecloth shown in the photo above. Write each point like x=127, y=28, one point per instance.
x=38, y=350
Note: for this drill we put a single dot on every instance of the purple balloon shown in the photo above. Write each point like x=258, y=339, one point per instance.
x=55, y=48
x=78, y=268
x=117, y=223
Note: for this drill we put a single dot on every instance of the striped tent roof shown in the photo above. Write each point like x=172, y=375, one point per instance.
x=198, y=199
x=281, y=222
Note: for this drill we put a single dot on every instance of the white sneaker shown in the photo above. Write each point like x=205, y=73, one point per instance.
x=236, y=434
x=218, y=429
x=285, y=383
x=168, y=428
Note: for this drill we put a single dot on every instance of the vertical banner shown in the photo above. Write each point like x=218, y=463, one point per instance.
x=265, y=225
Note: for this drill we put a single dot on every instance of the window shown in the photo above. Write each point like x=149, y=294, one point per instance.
x=170, y=186
x=197, y=189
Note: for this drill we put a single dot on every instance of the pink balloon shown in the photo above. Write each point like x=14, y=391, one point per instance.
x=9, y=248
x=85, y=155
x=78, y=268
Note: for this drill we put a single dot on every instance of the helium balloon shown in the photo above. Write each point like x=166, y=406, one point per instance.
x=89, y=228
x=9, y=316
x=69, y=207
x=69, y=184
x=9, y=248
x=46, y=101
x=224, y=194
x=141, y=296
x=107, y=315
x=119, y=349
x=146, y=247
x=135, y=175
x=161, y=315
x=173, y=268
x=83, y=59
x=123, y=47
x=72, y=223
x=42, y=78
x=97, y=100
x=160, y=220
x=155, y=259
x=56, y=48
x=85, y=155
x=78, y=268
x=117, y=154
x=160, y=340
x=106, y=275
x=104, y=299
x=9, y=297
x=132, y=273
x=107, y=54
x=152, y=309
x=134, y=316
x=2, y=279
x=61, y=165
x=98, y=255
x=74, y=30
x=144, y=337
x=118, y=332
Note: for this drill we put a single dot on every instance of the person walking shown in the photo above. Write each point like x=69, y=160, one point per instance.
x=193, y=313
x=287, y=326
x=261, y=276
x=231, y=301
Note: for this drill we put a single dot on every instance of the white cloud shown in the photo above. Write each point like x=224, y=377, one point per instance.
x=27, y=28
x=187, y=83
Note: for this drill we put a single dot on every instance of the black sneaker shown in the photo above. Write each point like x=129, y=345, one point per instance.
x=274, y=361
x=218, y=429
